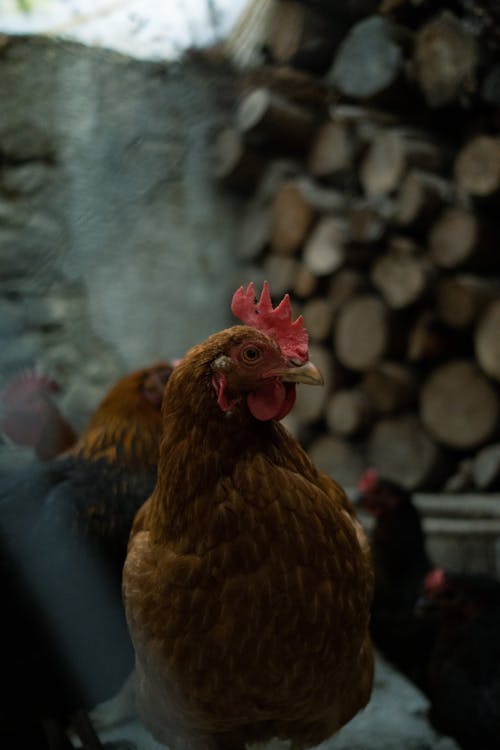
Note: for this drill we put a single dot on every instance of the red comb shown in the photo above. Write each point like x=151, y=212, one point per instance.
x=26, y=384
x=435, y=580
x=368, y=481
x=276, y=322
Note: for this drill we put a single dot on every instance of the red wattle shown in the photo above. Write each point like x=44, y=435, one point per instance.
x=272, y=400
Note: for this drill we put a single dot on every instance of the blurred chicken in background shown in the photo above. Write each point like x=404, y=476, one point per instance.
x=29, y=415
x=463, y=669
x=401, y=563
x=64, y=527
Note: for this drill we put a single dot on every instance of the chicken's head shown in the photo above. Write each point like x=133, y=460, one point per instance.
x=379, y=496
x=266, y=359
x=137, y=392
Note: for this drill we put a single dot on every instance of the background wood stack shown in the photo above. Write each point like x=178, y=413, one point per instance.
x=367, y=147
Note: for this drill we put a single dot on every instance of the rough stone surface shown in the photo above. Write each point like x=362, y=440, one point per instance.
x=116, y=246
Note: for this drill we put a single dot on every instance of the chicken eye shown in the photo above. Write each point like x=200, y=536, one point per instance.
x=250, y=355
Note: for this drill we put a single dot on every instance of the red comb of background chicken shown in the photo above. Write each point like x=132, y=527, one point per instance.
x=435, y=580
x=25, y=408
x=276, y=322
x=368, y=481
x=27, y=383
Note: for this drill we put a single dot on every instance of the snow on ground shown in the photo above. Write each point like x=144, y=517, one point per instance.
x=148, y=29
x=395, y=719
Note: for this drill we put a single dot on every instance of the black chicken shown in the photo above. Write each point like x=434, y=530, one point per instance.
x=401, y=563
x=463, y=674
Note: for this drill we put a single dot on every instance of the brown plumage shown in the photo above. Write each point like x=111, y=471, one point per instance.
x=125, y=427
x=247, y=583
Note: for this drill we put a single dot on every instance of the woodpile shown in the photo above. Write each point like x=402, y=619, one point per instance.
x=368, y=151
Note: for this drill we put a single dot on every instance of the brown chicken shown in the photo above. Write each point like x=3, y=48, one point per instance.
x=248, y=582
x=64, y=528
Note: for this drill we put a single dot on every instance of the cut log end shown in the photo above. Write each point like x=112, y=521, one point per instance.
x=390, y=387
x=348, y=412
x=339, y=458
x=477, y=166
x=487, y=340
x=400, y=449
x=291, y=219
x=401, y=279
x=459, y=406
x=324, y=251
x=445, y=59
x=361, y=333
x=486, y=468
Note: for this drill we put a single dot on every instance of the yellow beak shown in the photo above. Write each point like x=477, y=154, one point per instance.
x=307, y=373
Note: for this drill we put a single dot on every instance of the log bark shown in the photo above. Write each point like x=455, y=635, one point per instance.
x=363, y=121
x=325, y=250
x=271, y=120
x=332, y=151
x=445, y=59
x=477, y=166
x=235, y=163
x=291, y=218
x=461, y=298
x=421, y=197
x=322, y=199
x=301, y=38
x=430, y=340
x=392, y=153
x=368, y=220
x=244, y=44
x=344, y=284
x=362, y=332
x=295, y=86
x=459, y=406
x=348, y=412
x=277, y=173
x=390, y=387
x=401, y=450
x=487, y=340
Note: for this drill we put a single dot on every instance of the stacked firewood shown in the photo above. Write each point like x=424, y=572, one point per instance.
x=368, y=152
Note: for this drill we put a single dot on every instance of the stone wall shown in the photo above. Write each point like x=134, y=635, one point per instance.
x=116, y=247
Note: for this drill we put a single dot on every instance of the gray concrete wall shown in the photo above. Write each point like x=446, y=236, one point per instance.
x=116, y=246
